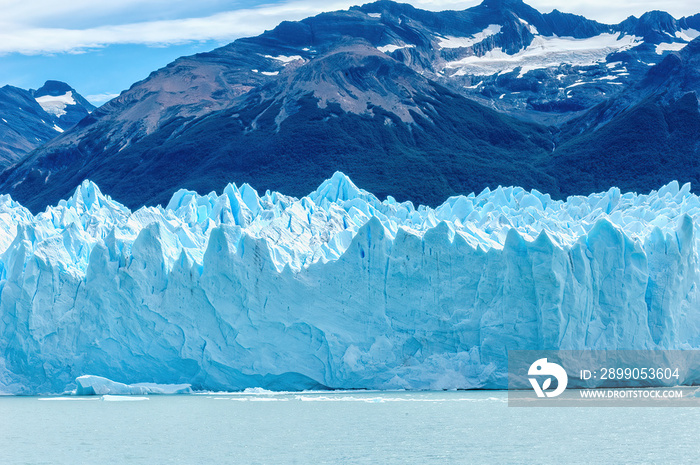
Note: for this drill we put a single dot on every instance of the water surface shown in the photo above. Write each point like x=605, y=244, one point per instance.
x=337, y=428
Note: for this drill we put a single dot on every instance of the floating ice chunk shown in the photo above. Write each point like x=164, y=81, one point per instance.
x=89, y=385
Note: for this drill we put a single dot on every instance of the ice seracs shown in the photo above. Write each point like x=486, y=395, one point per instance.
x=337, y=289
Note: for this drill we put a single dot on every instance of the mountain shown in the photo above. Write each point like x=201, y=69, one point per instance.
x=338, y=289
x=29, y=118
x=414, y=104
x=24, y=125
x=302, y=129
x=646, y=135
x=62, y=102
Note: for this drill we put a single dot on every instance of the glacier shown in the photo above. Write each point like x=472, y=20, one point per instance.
x=337, y=289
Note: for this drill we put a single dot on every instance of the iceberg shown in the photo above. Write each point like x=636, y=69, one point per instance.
x=337, y=289
x=88, y=385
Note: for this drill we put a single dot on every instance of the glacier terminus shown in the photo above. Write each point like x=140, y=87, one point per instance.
x=337, y=289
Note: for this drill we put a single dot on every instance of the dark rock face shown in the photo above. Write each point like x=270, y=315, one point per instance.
x=26, y=124
x=414, y=104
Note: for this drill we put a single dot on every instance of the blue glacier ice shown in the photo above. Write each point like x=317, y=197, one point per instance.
x=337, y=289
x=89, y=385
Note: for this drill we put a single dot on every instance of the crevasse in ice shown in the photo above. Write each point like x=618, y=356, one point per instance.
x=337, y=289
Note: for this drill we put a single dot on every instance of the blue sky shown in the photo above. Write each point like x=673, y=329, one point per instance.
x=101, y=48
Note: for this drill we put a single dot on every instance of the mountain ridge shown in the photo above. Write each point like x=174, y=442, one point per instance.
x=316, y=82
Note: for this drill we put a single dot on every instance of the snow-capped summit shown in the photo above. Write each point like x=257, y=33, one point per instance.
x=63, y=102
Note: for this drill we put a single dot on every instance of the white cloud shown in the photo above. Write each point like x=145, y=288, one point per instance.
x=46, y=26
x=99, y=99
x=609, y=12
x=16, y=37
x=600, y=10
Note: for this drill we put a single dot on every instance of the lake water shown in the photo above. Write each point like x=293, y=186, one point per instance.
x=338, y=428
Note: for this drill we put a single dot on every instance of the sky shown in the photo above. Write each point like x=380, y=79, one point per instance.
x=101, y=48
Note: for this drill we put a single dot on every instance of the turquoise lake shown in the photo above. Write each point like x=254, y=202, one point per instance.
x=337, y=428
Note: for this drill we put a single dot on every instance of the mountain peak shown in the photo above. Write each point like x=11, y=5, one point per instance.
x=53, y=88
x=658, y=21
x=58, y=99
x=502, y=3
x=654, y=26
x=656, y=16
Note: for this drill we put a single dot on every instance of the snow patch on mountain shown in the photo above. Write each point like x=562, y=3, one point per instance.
x=284, y=59
x=673, y=47
x=533, y=30
x=544, y=52
x=393, y=47
x=458, y=42
x=687, y=34
x=56, y=105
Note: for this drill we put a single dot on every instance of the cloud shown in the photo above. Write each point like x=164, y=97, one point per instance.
x=99, y=99
x=47, y=27
x=224, y=26
x=609, y=12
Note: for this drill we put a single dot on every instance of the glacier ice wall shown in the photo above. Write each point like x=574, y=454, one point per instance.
x=337, y=289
